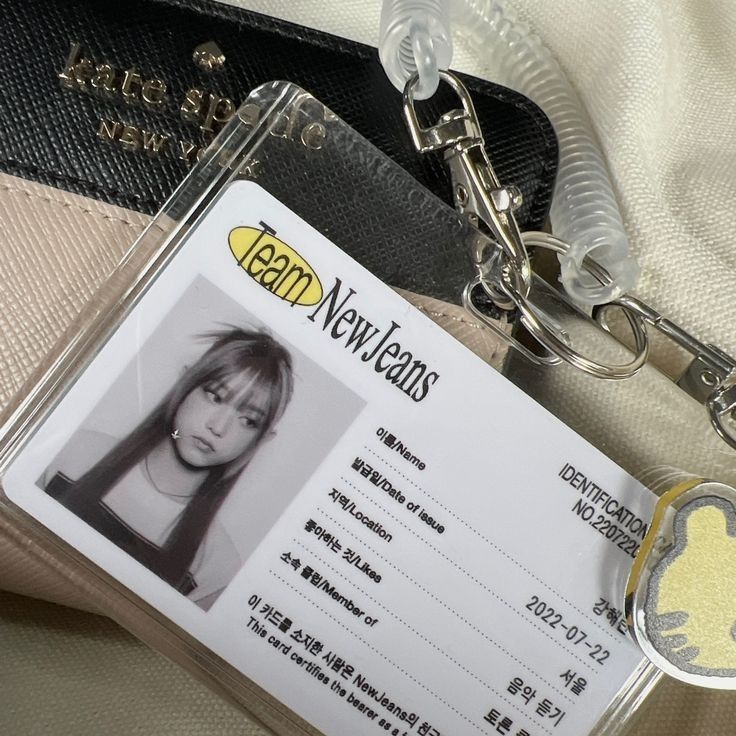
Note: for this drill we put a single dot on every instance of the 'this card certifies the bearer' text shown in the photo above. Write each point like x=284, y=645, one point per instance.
x=316, y=482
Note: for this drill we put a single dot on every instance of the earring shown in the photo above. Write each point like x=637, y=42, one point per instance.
x=175, y=435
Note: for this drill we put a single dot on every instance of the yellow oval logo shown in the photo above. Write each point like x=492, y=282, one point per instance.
x=275, y=265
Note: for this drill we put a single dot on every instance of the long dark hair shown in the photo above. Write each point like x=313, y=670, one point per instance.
x=233, y=351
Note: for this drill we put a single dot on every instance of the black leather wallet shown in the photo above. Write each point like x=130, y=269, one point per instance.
x=115, y=103
x=150, y=83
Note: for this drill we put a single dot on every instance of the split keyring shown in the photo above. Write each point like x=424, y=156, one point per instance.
x=553, y=342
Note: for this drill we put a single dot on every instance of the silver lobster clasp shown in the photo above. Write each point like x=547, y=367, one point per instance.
x=478, y=194
x=710, y=378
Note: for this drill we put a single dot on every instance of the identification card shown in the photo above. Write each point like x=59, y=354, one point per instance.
x=305, y=474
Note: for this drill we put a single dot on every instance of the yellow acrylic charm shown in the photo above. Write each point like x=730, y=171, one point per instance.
x=681, y=593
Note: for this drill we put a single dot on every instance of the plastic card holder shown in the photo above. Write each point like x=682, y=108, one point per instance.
x=406, y=594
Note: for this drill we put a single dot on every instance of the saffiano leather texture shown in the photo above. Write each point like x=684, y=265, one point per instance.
x=48, y=125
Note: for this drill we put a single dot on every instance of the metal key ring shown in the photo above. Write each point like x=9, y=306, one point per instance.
x=554, y=343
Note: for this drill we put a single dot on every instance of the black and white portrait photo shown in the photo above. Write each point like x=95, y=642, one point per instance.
x=198, y=446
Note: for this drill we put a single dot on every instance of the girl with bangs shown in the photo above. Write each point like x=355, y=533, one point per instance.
x=155, y=493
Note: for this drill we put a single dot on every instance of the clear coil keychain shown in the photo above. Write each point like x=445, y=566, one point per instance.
x=694, y=523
